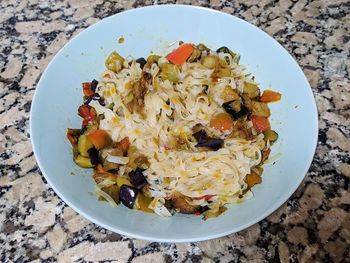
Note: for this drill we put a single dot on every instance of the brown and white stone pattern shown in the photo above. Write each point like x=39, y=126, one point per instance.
x=312, y=226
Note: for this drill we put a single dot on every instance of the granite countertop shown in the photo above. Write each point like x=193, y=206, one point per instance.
x=313, y=226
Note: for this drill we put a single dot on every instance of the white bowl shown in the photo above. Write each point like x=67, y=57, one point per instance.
x=58, y=96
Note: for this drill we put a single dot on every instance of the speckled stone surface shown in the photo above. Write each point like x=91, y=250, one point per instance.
x=313, y=226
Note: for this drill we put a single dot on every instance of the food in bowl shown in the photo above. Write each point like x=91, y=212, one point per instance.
x=188, y=132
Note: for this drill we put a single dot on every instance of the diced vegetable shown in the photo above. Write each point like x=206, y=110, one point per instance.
x=87, y=89
x=93, y=86
x=142, y=202
x=252, y=179
x=260, y=124
x=137, y=178
x=84, y=162
x=221, y=72
x=87, y=113
x=170, y=72
x=265, y=154
x=114, y=62
x=112, y=191
x=270, y=96
x=73, y=135
x=181, y=54
x=101, y=177
x=227, y=51
x=181, y=203
x=270, y=135
x=251, y=89
x=128, y=195
x=214, y=213
x=152, y=59
x=93, y=155
x=141, y=61
x=123, y=145
x=100, y=139
x=205, y=141
x=228, y=94
x=196, y=54
x=260, y=109
x=222, y=121
x=106, y=154
x=84, y=145
x=210, y=61
x=122, y=180
x=236, y=109
x=203, y=47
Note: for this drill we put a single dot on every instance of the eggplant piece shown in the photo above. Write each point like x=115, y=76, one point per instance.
x=236, y=112
x=93, y=154
x=137, y=178
x=141, y=61
x=94, y=83
x=205, y=141
x=128, y=195
x=180, y=202
x=212, y=214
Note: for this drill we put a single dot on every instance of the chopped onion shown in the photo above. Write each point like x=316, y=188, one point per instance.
x=106, y=196
x=117, y=159
x=106, y=182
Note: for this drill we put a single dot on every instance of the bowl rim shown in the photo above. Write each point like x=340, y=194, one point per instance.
x=130, y=234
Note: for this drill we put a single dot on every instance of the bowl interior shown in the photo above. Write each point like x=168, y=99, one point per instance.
x=152, y=29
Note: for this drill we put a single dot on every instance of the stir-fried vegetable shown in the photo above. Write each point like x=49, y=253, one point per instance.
x=222, y=121
x=261, y=124
x=252, y=179
x=141, y=61
x=181, y=54
x=270, y=96
x=84, y=162
x=137, y=178
x=114, y=62
x=270, y=136
x=205, y=141
x=127, y=195
x=100, y=139
x=236, y=109
x=170, y=72
x=84, y=145
x=251, y=89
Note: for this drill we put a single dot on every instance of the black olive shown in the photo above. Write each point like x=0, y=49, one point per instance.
x=229, y=109
x=141, y=61
x=94, y=83
x=127, y=195
x=199, y=134
x=93, y=154
x=137, y=178
x=205, y=141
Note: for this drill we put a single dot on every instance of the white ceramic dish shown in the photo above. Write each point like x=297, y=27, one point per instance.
x=58, y=96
